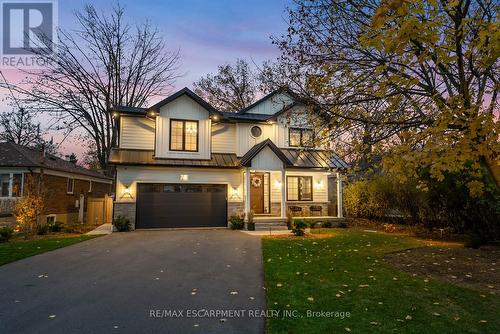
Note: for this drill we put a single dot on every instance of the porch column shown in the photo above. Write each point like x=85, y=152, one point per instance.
x=247, y=193
x=339, y=196
x=283, y=194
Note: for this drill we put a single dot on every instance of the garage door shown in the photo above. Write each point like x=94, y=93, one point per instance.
x=166, y=205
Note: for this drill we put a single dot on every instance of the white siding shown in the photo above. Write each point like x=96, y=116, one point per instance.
x=272, y=105
x=183, y=108
x=137, y=133
x=223, y=138
x=130, y=176
x=267, y=160
x=246, y=141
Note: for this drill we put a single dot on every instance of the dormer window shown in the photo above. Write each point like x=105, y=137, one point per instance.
x=183, y=135
x=300, y=137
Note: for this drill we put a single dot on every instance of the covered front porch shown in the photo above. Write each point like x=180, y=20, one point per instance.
x=280, y=181
x=270, y=194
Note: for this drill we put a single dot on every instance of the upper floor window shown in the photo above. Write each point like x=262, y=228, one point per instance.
x=256, y=131
x=183, y=135
x=300, y=137
x=11, y=185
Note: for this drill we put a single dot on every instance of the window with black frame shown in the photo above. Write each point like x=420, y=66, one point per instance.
x=299, y=188
x=183, y=135
x=299, y=137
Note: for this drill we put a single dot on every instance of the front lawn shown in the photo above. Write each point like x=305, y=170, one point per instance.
x=19, y=249
x=347, y=273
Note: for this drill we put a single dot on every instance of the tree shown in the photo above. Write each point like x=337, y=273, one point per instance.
x=102, y=64
x=231, y=89
x=28, y=208
x=18, y=127
x=432, y=67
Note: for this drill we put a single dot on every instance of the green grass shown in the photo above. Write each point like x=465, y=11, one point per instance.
x=342, y=265
x=20, y=249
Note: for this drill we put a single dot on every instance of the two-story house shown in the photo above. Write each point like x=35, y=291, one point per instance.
x=182, y=163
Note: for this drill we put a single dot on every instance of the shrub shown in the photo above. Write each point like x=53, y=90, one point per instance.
x=326, y=224
x=6, y=233
x=56, y=226
x=42, y=229
x=236, y=222
x=250, y=223
x=122, y=224
x=299, y=227
x=27, y=209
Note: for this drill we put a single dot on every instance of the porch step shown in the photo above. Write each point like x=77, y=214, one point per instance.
x=270, y=226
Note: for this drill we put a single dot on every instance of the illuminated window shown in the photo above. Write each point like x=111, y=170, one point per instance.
x=300, y=137
x=183, y=135
x=299, y=188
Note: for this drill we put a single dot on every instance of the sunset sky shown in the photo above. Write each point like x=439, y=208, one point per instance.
x=208, y=33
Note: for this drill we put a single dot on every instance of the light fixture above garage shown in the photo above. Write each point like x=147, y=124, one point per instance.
x=184, y=177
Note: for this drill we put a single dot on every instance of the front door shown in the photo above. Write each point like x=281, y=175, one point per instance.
x=257, y=192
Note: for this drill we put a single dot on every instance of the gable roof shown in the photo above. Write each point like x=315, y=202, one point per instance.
x=14, y=155
x=246, y=160
x=268, y=96
x=191, y=94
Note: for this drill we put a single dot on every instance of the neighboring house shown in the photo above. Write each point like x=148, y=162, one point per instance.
x=182, y=163
x=65, y=186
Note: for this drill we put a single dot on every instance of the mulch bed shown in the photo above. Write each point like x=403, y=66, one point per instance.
x=478, y=269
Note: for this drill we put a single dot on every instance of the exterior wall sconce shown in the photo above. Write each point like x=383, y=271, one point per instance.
x=184, y=177
x=126, y=193
x=277, y=184
x=235, y=194
x=319, y=184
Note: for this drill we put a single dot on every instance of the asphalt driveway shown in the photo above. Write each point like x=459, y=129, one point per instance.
x=138, y=282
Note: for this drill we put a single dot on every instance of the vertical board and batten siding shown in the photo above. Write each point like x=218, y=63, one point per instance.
x=272, y=105
x=128, y=177
x=246, y=141
x=223, y=138
x=137, y=133
x=267, y=160
x=183, y=108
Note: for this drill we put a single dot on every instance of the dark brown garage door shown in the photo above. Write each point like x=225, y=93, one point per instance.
x=166, y=205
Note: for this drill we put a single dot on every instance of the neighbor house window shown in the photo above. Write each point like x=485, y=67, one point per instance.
x=11, y=185
x=299, y=188
x=70, y=185
x=51, y=219
x=300, y=137
x=183, y=135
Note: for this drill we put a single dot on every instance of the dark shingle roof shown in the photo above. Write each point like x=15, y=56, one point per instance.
x=13, y=155
x=230, y=116
x=130, y=110
x=143, y=157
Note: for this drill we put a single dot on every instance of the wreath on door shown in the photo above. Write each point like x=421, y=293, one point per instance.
x=256, y=182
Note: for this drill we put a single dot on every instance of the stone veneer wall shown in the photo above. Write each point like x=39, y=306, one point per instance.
x=234, y=208
x=125, y=209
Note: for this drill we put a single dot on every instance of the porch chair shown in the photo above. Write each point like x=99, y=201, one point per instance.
x=316, y=210
x=296, y=210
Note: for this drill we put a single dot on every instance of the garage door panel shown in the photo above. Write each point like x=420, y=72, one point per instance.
x=181, y=205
